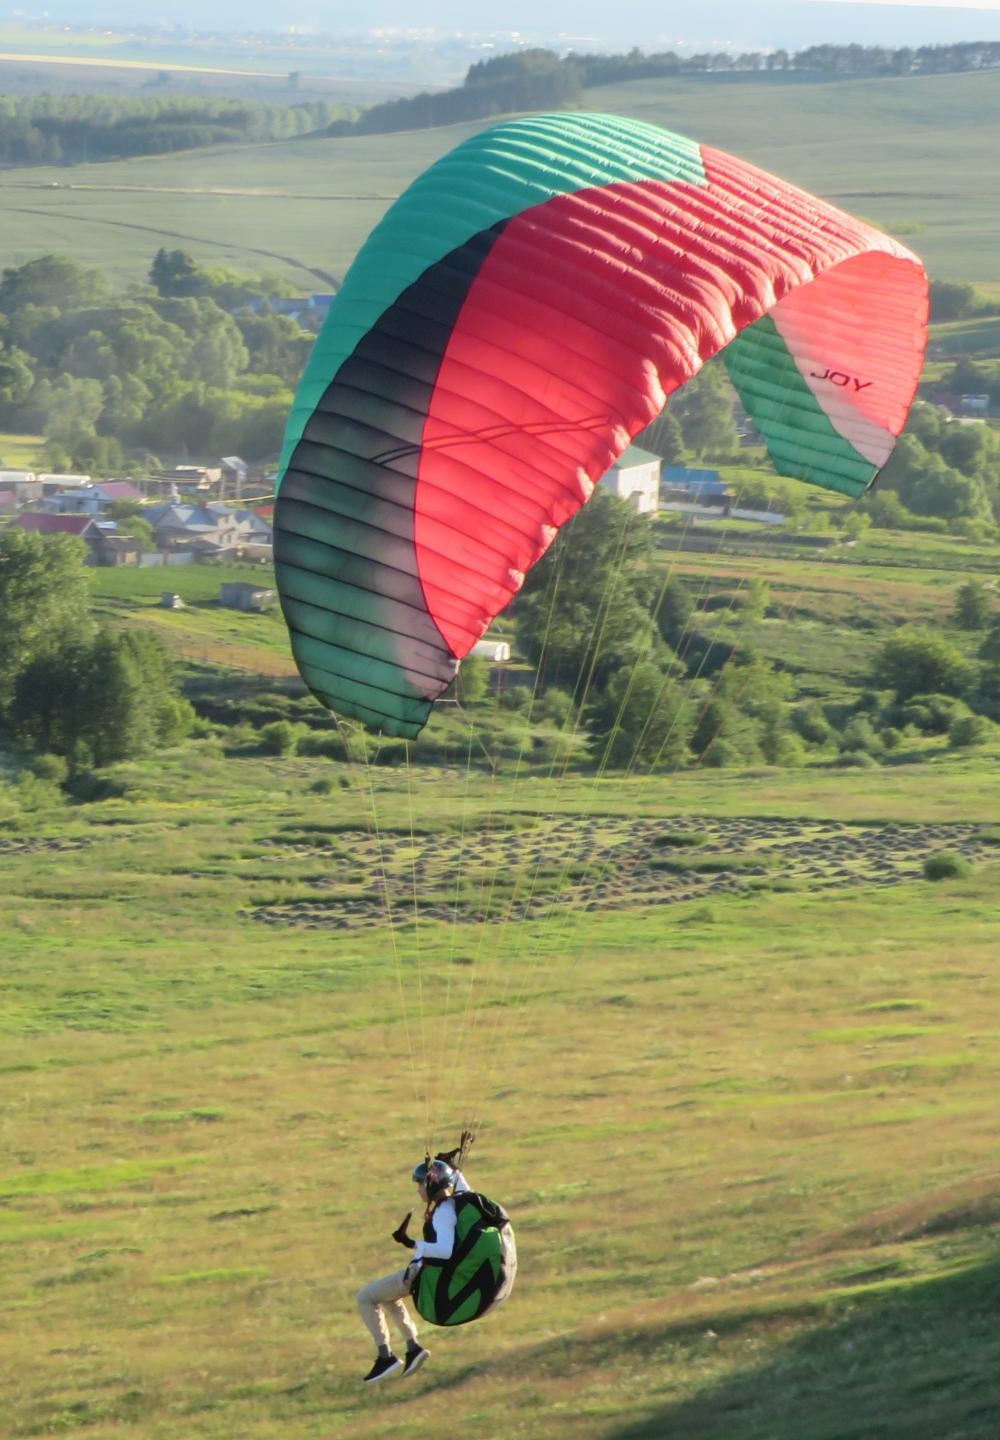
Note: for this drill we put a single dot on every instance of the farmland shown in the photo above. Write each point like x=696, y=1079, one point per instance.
x=303, y=207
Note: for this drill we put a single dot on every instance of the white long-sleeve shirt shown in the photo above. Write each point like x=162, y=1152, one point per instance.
x=444, y=1220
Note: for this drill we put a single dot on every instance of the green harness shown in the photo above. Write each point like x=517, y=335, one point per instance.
x=480, y=1272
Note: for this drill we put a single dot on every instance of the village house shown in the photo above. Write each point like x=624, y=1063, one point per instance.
x=198, y=482
x=51, y=483
x=311, y=309
x=92, y=499
x=210, y=530
x=688, y=484
x=635, y=477
x=84, y=526
x=24, y=485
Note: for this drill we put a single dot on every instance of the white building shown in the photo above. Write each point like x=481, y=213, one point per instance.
x=635, y=477
x=496, y=651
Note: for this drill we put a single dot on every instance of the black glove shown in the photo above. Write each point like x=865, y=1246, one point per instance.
x=464, y=1144
x=400, y=1236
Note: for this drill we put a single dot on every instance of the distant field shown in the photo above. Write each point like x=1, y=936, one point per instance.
x=968, y=337
x=911, y=155
x=19, y=452
x=300, y=208
x=32, y=59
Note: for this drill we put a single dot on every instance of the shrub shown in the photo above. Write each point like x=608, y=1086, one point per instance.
x=789, y=750
x=388, y=751
x=514, y=697
x=860, y=736
x=917, y=661
x=555, y=706
x=279, y=738
x=554, y=747
x=811, y=723
x=973, y=606
x=933, y=714
x=54, y=768
x=34, y=793
x=946, y=865
x=331, y=743
x=966, y=731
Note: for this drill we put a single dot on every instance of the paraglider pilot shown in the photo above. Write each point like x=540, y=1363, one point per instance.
x=437, y=1182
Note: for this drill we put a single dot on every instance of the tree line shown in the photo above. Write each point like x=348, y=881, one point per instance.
x=74, y=694
x=196, y=361
x=630, y=660
x=628, y=653
x=536, y=79
x=77, y=129
x=636, y=669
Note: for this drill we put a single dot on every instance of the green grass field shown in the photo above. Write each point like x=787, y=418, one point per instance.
x=733, y=1059
x=908, y=155
x=748, y=1138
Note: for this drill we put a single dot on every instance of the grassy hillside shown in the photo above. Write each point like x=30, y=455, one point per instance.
x=913, y=156
x=747, y=1137
x=733, y=1055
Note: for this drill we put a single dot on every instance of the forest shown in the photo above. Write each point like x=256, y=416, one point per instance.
x=193, y=362
x=78, y=129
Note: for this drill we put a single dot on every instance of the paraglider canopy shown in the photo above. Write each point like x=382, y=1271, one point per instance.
x=523, y=310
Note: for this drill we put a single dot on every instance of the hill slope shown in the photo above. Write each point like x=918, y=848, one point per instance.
x=914, y=156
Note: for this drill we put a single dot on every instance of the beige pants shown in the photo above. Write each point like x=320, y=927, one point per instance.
x=383, y=1295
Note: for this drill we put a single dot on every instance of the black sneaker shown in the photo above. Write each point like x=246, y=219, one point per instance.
x=414, y=1359
x=385, y=1365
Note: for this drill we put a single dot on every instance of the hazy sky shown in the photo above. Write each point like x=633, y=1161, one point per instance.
x=938, y=4
x=616, y=24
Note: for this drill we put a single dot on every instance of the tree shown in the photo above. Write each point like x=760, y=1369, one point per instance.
x=704, y=410
x=100, y=699
x=664, y=437
x=927, y=485
x=952, y=300
x=973, y=606
x=582, y=612
x=174, y=272
x=724, y=734
x=16, y=379
x=640, y=720
x=53, y=281
x=672, y=611
x=756, y=600
x=886, y=509
x=746, y=717
x=857, y=525
x=472, y=683
x=919, y=662
x=44, y=601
